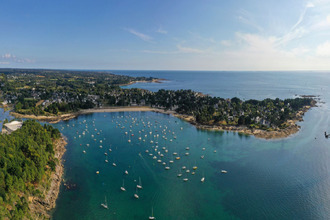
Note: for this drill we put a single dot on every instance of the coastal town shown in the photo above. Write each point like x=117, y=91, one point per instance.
x=37, y=93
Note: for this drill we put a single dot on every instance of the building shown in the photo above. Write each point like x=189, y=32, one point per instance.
x=11, y=126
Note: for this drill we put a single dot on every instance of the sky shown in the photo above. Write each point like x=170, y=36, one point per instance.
x=251, y=35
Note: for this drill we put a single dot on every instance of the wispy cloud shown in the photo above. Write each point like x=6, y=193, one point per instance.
x=189, y=49
x=139, y=34
x=179, y=50
x=247, y=18
x=226, y=43
x=161, y=30
x=11, y=58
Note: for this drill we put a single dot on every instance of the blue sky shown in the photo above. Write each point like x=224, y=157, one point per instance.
x=166, y=34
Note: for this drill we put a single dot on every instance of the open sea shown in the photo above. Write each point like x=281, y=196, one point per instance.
x=266, y=179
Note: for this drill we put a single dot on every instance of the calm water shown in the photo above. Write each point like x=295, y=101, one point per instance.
x=277, y=179
x=4, y=115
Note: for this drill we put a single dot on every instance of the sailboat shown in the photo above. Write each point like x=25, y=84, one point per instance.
x=136, y=195
x=139, y=186
x=152, y=215
x=203, y=178
x=123, y=188
x=105, y=204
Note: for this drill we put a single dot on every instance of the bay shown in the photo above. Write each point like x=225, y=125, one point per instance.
x=266, y=179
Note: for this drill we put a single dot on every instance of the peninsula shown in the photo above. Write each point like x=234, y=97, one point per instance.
x=54, y=95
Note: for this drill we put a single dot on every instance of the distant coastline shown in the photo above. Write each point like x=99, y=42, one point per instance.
x=144, y=81
x=292, y=127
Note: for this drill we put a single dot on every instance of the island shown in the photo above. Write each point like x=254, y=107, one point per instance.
x=54, y=95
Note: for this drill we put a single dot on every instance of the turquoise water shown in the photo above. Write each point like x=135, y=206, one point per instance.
x=266, y=179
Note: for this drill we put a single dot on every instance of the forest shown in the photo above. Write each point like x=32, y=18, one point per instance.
x=26, y=160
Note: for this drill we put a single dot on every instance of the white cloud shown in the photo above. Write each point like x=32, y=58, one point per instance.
x=139, y=34
x=10, y=58
x=161, y=30
x=247, y=18
x=189, y=49
x=323, y=50
x=226, y=43
x=179, y=50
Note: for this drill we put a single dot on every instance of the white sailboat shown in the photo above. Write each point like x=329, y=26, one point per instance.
x=203, y=178
x=136, y=195
x=105, y=204
x=152, y=215
x=139, y=186
x=122, y=188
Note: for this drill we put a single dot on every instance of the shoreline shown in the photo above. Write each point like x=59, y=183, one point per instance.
x=43, y=206
x=144, y=81
x=258, y=133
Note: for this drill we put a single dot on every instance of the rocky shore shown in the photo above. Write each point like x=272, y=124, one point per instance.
x=41, y=207
x=291, y=128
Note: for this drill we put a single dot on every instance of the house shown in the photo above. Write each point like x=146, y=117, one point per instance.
x=11, y=127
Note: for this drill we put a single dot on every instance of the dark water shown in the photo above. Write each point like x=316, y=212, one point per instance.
x=266, y=179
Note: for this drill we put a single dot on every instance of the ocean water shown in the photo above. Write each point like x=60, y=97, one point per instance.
x=266, y=179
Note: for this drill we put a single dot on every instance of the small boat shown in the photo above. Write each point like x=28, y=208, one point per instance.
x=139, y=186
x=84, y=151
x=185, y=179
x=186, y=153
x=136, y=195
x=97, y=172
x=177, y=158
x=105, y=204
x=202, y=157
x=187, y=148
x=175, y=153
x=114, y=164
x=179, y=173
x=159, y=161
x=152, y=215
x=184, y=167
x=126, y=172
x=167, y=168
x=214, y=151
x=203, y=148
x=223, y=171
x=203, y=179
x=195, y=167
x=122, y=188
x=187, y=171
